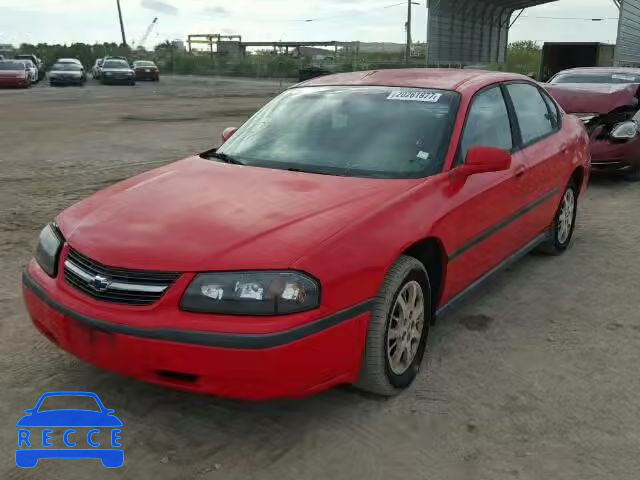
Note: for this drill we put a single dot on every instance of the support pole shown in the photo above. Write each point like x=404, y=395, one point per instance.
x=124, y=38
x=407, y=54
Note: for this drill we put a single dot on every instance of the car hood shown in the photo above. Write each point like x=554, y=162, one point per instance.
x=593, y=98
x=197, y=214
x=69, y=418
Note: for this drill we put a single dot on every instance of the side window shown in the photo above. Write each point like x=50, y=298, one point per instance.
x=487, y=123
x=531, y=111
x=553, y=109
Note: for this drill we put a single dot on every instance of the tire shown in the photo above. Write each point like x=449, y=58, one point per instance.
x=380, y=373
x=562, y=233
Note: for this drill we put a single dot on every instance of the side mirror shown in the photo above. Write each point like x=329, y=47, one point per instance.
x=228, y=133
x=484, y=160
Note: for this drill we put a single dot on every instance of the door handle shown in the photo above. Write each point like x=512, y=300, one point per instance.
x=520, y=170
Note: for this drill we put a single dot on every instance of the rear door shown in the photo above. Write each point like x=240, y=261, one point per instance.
x=484, y=226
x=545, y=153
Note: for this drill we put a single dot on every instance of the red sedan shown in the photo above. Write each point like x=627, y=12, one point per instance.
x=146, y=70
x=606, y=99
x=315, y=247
x=14, y=74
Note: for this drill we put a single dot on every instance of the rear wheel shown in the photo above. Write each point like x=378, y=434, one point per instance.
x=564, y=223
x=397, y=334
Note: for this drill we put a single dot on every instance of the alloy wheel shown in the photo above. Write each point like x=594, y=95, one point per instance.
x=566, y=216
x=405, y=327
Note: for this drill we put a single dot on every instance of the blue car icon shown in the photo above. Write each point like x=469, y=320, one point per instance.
x=29, y=451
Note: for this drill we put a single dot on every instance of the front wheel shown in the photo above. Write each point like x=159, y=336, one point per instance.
x=397, y=334
x=564, y=223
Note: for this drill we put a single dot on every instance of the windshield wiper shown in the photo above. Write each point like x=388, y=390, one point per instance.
x=305, y=170
x=225, y=158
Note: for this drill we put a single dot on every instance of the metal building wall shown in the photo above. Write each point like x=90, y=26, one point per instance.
x=628, y=44
x=465, y=32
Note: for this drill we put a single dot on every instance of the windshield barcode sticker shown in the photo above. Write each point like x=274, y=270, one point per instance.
x=414, y=96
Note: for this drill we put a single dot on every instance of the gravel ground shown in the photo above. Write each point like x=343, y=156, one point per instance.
x=536, y=377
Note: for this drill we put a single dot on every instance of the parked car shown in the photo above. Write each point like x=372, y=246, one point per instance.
x=607, y=100
x=31, y=69
x=95, y=70
x=317, y=244
x=36, y=61
x=14, y=73
x=146, y=70
x=66, y=74
x=117, y=71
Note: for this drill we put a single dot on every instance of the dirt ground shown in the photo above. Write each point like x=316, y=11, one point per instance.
x=537, y=377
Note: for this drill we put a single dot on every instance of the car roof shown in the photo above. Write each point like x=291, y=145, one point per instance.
x=439, y=78
x=635, y=71
x=67, y=60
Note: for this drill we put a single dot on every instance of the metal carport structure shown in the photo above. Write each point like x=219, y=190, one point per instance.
x=464, y=32
x=467, y=32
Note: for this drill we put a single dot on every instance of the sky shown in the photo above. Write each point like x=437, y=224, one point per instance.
x=67, y=21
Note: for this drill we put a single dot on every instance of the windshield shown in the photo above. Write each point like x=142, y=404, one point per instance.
x=64, y=402
x=382, y=132
x=144, y=64
x=116, y=64
x=67, y=66
x=11, y=65
x=600, y=77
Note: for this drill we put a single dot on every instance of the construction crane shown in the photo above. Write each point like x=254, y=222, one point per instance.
x=147, y=32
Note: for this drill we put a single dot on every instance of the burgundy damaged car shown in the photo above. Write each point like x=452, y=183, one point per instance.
x=607, y=101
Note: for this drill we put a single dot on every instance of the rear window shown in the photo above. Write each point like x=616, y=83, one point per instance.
x=67, y=67
x=144, y=64
x=596, y=78
x=4, y=65
x=116, y=64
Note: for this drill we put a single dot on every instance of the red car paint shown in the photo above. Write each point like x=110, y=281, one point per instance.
x=197, y=215
x=14, y=78
x=607, y=154
x=147, y=73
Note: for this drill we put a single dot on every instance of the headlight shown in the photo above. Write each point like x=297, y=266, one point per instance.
x=48, y=249
x=252, y=293
x=625, y=130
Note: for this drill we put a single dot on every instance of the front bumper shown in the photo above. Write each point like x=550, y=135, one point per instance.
x=607, y=156
x=116, y=79
x=290, y=363
x=66, y=80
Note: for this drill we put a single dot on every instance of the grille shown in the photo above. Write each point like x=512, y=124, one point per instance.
x=115, y=285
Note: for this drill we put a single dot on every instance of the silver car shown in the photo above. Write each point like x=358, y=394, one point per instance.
x=66, y=74
x=32, y=70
